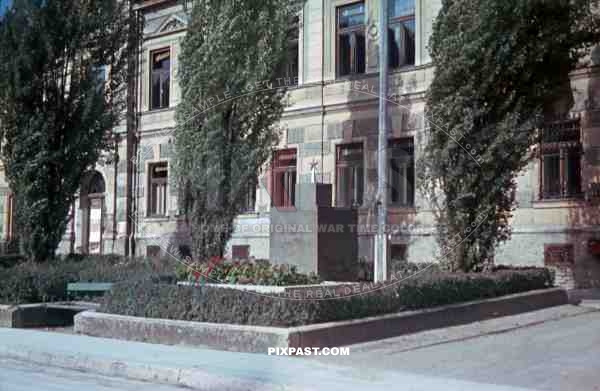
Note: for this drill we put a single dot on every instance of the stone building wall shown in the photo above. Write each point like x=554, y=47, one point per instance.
x=325, y=112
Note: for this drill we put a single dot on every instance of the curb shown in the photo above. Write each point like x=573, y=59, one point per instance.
x=201, y=369
x=196, y=378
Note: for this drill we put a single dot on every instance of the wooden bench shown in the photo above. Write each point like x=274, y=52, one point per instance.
x=88, y=288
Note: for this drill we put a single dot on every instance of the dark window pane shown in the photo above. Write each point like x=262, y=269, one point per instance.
x=250, y=198
x=398, y=252
x=155, y=91
x=351, y=15
x=410, y=176
x=573, y=173
x=401, y=176
x=551, y=170
x=350, y=175
x=289, y=66
x=344, y=55
x=402, y=44
x=161, y=79
x=165, y=87
x=399, y=8
x=360, y=58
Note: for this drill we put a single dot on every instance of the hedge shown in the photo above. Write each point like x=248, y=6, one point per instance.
x=31, y=282
x=221, y=305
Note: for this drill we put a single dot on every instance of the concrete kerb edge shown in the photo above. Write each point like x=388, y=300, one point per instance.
x=195, y=378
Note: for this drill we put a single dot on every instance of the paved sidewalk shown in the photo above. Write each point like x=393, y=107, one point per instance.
x=472, y=330
x=554, y=355
x=204, y=369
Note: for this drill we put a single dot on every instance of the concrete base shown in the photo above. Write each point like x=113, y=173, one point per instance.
x=42, y=314
x=258, y=339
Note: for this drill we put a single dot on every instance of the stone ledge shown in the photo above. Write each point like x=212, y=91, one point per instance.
x=239, y=338
x=257, y=339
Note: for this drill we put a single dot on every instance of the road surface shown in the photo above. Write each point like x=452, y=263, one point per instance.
x=19, y=376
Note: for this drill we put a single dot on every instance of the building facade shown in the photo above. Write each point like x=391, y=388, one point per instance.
x=330, y=131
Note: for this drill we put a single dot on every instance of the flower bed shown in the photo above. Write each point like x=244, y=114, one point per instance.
x=247, y=272
x=206, y=304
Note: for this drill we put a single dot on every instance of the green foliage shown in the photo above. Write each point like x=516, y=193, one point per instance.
x=441, y=289
x=10, y=260
x=56, y=110
x=220, y=305
x=226, y=121
x=259, y=272
x=33, y=282
x=501, y=66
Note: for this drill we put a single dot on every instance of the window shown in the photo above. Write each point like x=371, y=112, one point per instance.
x=100, y=76
x=401, y=36
x=249, y=201
x=153, y=251
x=284, y=178
x=560, y=160
x=160, y=79
x=351, y=39
x=398, y=252
x=401, y=172
x=290, y=70
x=350, y=175
x=157, y=202
x=240, y=252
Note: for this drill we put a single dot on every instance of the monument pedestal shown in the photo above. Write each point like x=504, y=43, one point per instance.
x=315, y=236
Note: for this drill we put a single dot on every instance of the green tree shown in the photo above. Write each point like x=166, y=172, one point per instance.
x=56, y=110
x=501, y=67
x=231, y=103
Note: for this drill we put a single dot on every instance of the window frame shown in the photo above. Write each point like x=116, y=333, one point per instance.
x=395, y=143
x=349, y=31
x=560, y=139
x=287, y=200
x=400, y=21
x=153, y=53
x=249, y=205
x=293, y=52
x=150, y=192
x=339, y=163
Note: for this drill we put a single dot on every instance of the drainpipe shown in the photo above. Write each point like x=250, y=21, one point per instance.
x=382, y=199
x=134, y=41
x=115, y=185
x=322, y=88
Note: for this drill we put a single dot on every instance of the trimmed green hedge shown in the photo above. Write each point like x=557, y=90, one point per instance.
x=45, y=282
x=220, y=305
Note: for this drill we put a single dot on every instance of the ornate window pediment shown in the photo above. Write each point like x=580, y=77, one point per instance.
x=172, y=23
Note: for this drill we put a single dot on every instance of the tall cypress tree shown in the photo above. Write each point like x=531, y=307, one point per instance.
x=62, y=89
x=231, y=103
x=501, y=66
